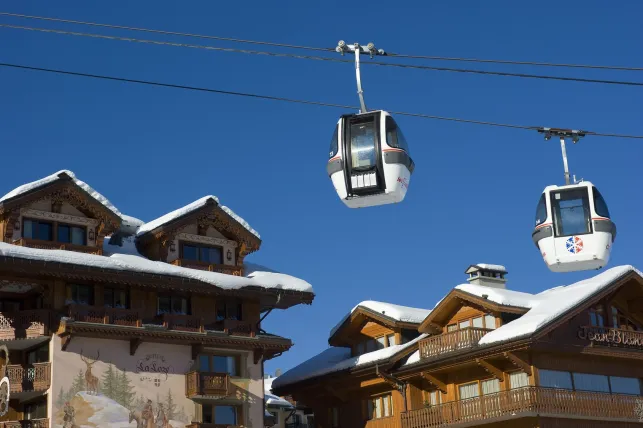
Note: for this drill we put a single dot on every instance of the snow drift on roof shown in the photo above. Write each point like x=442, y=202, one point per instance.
x=500, y=268
x=552, y=303
x=337, y=359
x=173, y=215
x=395, y=312
x=54, y=177
x=500, y=296
x=271, y=399
x=128, y=261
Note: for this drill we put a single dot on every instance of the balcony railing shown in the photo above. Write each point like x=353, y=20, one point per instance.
x=105, y=315
x=452, y=341
x=181, y=322
x=25, y=324
x=51, y=245
x=206, y=383
x=32, y=423
x=195, y=264
x=529, y=400
x=36, y=377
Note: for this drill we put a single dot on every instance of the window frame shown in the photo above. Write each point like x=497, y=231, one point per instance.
x=199, y=246
x=228, y=304
x=541, y=202
x=392, y=127
x=69, y=299
x=334, y=143
x=173, y=296
x=50, y=223
x=455, y=323
x=113, y=290
x=238, y=413
x=70, y=226
x=557, y=215
x=381, y=399
x=596, y=195
x=54, y=237
x=237, y=362
x=40, y=406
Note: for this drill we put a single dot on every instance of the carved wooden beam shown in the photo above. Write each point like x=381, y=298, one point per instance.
x=133, y=345
x=388, y=378
x=491, y=369
x=519, y=362
x=64, y=341
x=442, y=386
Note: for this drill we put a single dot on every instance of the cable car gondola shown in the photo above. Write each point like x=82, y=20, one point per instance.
x=573, y=229
x=369, y=162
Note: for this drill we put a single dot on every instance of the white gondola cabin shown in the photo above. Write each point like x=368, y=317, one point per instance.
x=573, y=229
x=369, y=162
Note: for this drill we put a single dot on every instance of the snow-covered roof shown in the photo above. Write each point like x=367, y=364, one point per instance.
x=500, y=296
x=28, y=187
x=336, y=359
x=199, y=203
x=395, y=312
x=270, y=398
x=128, y=260
x=550, y=304
x=487, y=266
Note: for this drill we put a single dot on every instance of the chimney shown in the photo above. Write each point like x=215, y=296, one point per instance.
x=488, y=275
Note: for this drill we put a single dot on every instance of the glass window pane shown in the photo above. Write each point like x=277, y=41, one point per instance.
x=207, y=415
x=378, y=407
x=489, y=321
x=452, y=327
x=363, y=145
x=465, y=324
x=232, y=366
x=468, y=390
x=541, y=210
x=387, y=405
x=394, y=135
x=600, y=206
x=371, y=345
x=204, y=363
x=477, y=322
x=381, y=342
x=63, y=233
x=370, y=409
x=391, y=339
x=84, y=294
x=44, y=232
x=225, y=415
x=555, y=379
x=333, y=144
x=571, y=212
x=518, y=380
x=490, y=386
x=27, y=229
x=360, y=348
x=436, y=398
x=591, y=382
x=121, y=299
x=190, y=252
x=165, y=305
x=78, y=235
x=219, y=364
x=108, y=297
x=221, y=311
x=625, y=385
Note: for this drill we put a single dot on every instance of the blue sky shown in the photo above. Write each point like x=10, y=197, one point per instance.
x=474, y=192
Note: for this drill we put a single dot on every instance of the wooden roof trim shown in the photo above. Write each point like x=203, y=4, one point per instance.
x=427, y=325
x=28, y=269
x=335, y=339
x=65, y=180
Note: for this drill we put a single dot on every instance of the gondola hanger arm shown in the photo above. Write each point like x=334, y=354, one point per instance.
x=356, y=48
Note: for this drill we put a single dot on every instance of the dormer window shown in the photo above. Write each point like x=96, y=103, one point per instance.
x=71, y=234
x=44, y=231
x=202, y=253
x=41, y=230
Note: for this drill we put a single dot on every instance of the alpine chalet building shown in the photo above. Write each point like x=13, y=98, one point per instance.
x=570, y=356
x=106, y=321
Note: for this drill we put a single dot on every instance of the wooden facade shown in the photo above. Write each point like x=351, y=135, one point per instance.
x=77, y=333
x=585, y=368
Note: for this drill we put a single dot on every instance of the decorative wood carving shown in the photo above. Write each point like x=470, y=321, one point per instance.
x=10, y=220
x=519, y=362
x=442, y=386
x=66, y=218
x=206, y=239
x=491, y=369
x=133, y=345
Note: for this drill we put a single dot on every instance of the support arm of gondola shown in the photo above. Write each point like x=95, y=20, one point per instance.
x=574, y=134
x=360, y=92
x=342, y=47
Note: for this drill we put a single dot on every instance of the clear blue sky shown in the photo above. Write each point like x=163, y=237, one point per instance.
x=473, y=194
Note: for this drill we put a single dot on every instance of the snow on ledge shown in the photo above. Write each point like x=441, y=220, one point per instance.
x=396, y=312
x=55, y=177
x=129, y=262
x=199, y=203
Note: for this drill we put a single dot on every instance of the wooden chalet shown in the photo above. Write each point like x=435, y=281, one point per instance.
x=485, y=355
x=106, y=320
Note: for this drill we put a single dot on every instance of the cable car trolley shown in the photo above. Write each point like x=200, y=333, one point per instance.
x=369, y=161
x=573, y=230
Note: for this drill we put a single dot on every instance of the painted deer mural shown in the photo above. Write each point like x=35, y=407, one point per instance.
x=91, y=381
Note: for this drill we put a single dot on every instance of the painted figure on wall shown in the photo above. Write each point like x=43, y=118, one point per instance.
x=69, y=418
x=91, y=381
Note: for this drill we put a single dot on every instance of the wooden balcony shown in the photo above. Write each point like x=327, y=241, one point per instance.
x=104, y=315
x=527, y=401
x=195, y=264
x=206, y=383
x=33, y=423
x=36, y=377
x=51, y=245
x=452, y=341
x=388, y=422
x=204, y=425
x=25, y=324
x=183, y=323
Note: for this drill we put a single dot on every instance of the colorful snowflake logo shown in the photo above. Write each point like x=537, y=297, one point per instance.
x=574, y=245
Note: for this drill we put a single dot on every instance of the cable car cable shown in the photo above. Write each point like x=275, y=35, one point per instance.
x=318, y=58
x=313, y=48
x=291, y=100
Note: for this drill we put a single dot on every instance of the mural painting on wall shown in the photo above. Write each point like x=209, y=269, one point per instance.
x=101, y=385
